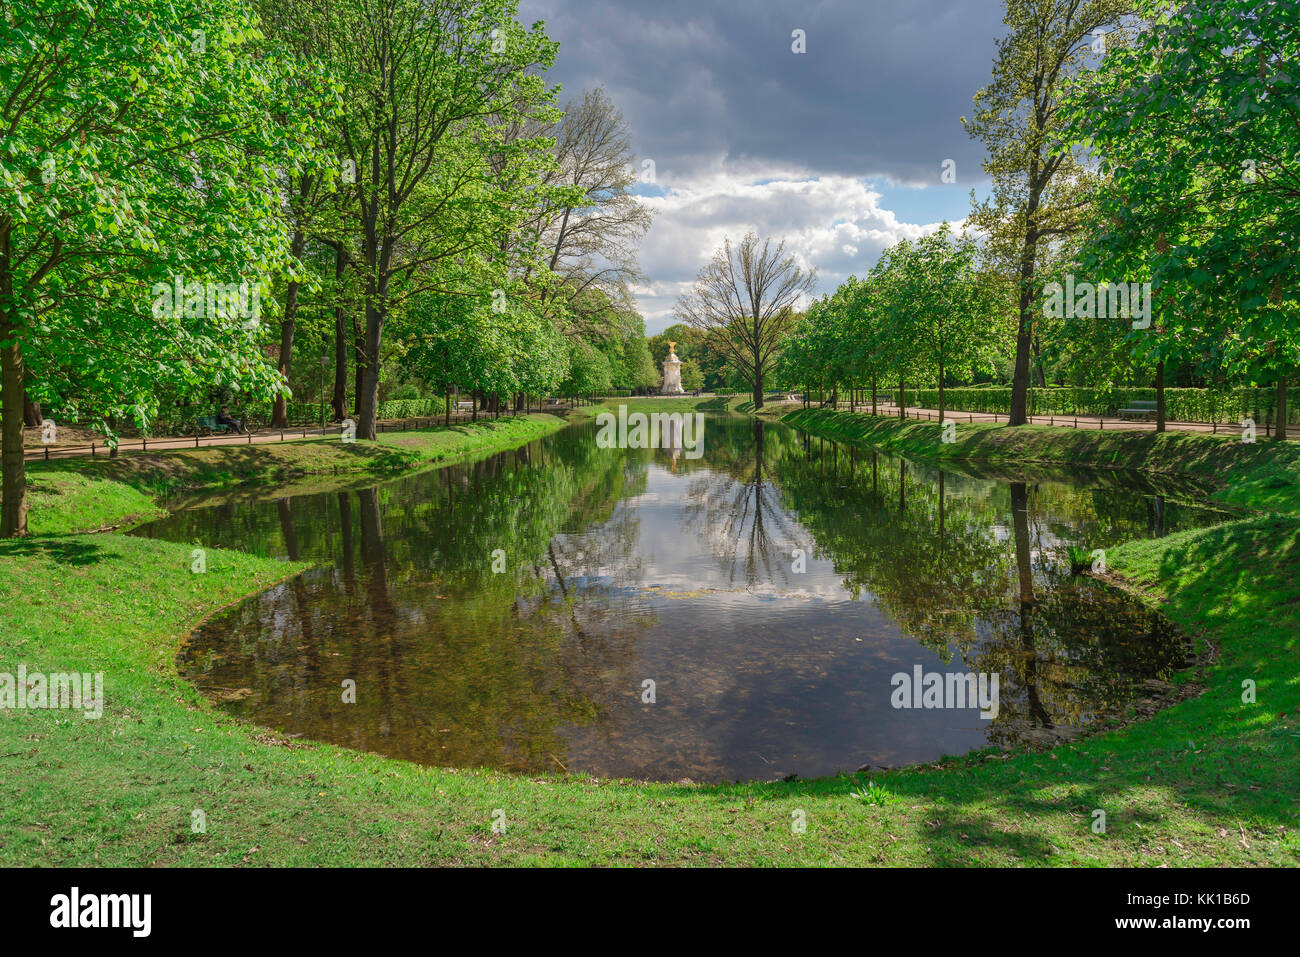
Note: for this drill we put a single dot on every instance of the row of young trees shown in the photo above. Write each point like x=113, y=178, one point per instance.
x=926, y=312
x=1125, y=146
x=389, y=178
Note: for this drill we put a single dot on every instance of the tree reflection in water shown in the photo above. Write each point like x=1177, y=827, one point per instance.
x=627, y=565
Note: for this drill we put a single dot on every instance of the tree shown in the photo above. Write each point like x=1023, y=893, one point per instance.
x=641, y=370
x=590, y=232
x=941, y=310
x=589, y=371
x=438, y=84
x=688, y=344
x=309, y=193
x=866, y=310
x=889, y=291
x=692, y=377
x=138, y=226
x=815, y=350
x=1035, y=198
x=746, y=296
x=1194, y=127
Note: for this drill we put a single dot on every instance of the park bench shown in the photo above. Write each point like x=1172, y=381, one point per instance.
x=210, y=423
x=1140, y=409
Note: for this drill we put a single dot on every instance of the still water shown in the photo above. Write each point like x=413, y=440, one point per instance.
x=522, y=611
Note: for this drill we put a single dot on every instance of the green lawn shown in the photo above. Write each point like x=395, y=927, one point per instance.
x=85, y=494
x=1211, y=780
x=1263, y=476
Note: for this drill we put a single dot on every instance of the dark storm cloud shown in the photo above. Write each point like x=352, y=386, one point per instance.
x=837, y=151
x=880, y=90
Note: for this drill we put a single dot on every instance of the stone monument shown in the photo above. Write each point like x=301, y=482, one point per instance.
x=672, y=373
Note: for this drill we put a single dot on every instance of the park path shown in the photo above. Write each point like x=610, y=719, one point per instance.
x=266, y=436
x=1092, y=422
x=259, y=437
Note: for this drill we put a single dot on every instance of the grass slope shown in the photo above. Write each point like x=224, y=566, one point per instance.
x=87, y=494
x=1264, y=475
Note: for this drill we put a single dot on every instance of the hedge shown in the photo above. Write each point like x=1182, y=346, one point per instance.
x=1181, y=405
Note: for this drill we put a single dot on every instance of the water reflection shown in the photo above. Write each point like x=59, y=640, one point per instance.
x=510, y=612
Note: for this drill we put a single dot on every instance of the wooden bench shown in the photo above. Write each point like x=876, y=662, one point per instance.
x=210, y=423
x=1140, y=409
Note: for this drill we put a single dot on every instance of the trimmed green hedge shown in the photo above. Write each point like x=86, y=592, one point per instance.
x=1181, y=405
x=309, y=412
x=411, y=408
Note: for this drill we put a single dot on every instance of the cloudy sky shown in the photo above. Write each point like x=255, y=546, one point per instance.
x=839, y=150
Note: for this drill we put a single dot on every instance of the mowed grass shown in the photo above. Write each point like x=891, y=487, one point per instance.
x=1263, y=476
x=87, y=494
x=1213, y=780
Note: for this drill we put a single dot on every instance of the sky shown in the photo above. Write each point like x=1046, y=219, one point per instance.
x=839, y=151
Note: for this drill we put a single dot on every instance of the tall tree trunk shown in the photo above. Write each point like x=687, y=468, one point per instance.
x=368, y=408
x=31, y=412
x=359, y=370
x=873, y=393
x=758, y=388
x=340, y=401
x=1280, y=434
x=1160, y=396
x=1025, y=326
x=446, y=410
x=941, y=392
x=13, y=489
x=345, y=526
x=280, y=411
x=1020, y=378
x=902, y=399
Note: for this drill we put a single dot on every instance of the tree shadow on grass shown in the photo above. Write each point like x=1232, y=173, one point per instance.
x=59, y=551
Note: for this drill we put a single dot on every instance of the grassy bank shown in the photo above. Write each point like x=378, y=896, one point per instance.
x=1212, y=780
x=85, y=494
x=1261, y=476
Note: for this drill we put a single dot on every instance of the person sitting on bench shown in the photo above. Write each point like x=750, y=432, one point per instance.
x=223, y=418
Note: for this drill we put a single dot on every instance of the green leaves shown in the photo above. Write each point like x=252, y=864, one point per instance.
x=1200, y=194
x=119, y=182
